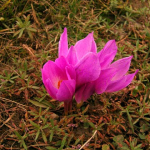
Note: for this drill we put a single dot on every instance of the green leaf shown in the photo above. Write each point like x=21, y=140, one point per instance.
x=18, y=135
x=119, y=141
x=17, y=32
x=100, y=126
x=46, y=126
x=19, y=22
x=91, y=124
x=138, y=147
x=34, y=124
x=118, y=138
x=34, y=87
x=130, y=119
x=37, y=134
x=51, y=148
x=30, y=34
x=14, y=77
x=70, y=138
x=63, y=142
x=31, y=29
x=24, y=145
x=124, y=148
x=32, y=113
x=44, y=137
x=142, y=136
x=52, y=122
x=27, y=18
x=77, y=141
x=26, y=24
x=48, y=104
x=21, y=32
x=105, y=147
x=38, y=104
x=51, y=135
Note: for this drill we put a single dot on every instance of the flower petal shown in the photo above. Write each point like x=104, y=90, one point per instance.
x=61, y=62
x=72, y=56
x=107, y=60
x=70, y=72
x=50, y=88
x=109, y=47
x=84, y=92
x=121, y=83
x=85, y=45
x=122, y=66
x=104, y=80
x=63, y=44
x=94, y=47
x=53, y=72
x=88, y=69
x=66, y=90
x=108, y=52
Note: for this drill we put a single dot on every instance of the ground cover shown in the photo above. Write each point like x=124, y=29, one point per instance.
x=29, y=36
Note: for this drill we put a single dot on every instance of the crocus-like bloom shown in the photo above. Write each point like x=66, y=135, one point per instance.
x=59, y=79
x=111, y=76
x=81, y=71
x=83, y=57
x=70, y=71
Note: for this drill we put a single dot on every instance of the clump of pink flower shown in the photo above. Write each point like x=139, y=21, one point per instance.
x=81, y=71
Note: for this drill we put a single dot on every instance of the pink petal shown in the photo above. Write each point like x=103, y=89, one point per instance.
x=121, y=83
x=63, y=44
x=88, y=69
x=107, y=60
x=108, y=52
x=72, y=56
x=85, y=45
x=61, y=62
x=53, y=72
x=109, y=47
x=70, y=72
x=84, y=92
x=122, y=66
x=50, y=88
x=104, y=80
x=66, y=90
x=94, y=47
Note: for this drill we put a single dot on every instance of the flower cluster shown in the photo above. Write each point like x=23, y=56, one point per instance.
x=81, y=71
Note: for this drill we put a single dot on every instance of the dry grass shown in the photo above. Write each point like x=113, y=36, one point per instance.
x=29, y=118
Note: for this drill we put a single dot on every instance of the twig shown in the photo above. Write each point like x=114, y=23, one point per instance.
x=88, y=140
x=29, y=50
x=122, y=39
x=7, y=120
x=20, y=105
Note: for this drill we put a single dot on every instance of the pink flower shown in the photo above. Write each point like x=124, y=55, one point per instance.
x=112, y=76
x=59, y=79
x=75, y=53
x=83, y=57
x=81, y=71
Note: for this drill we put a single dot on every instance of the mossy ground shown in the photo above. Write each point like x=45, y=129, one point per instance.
x=29, y=36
